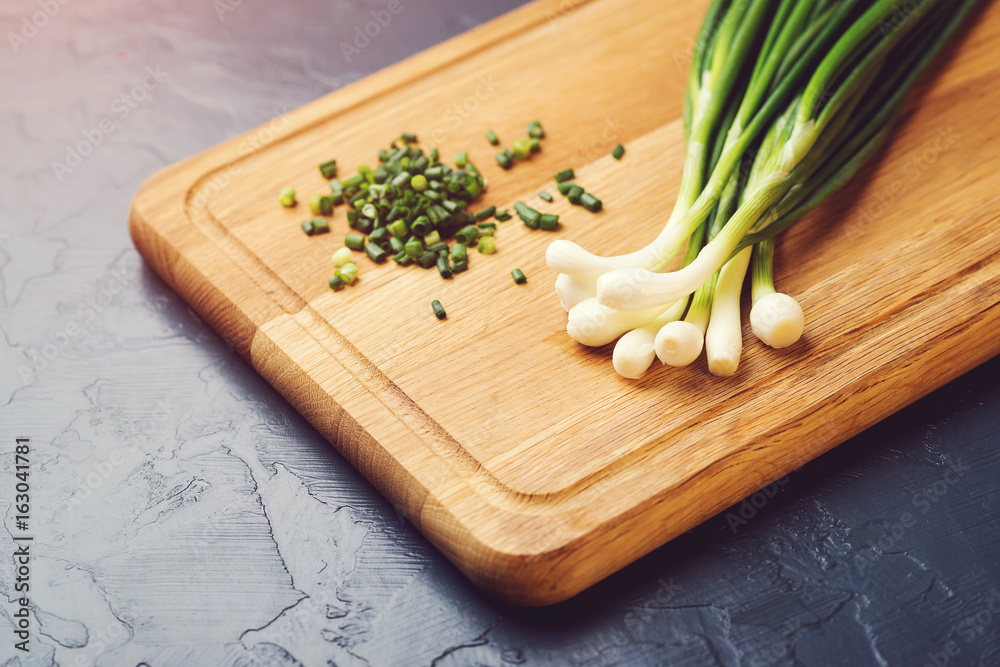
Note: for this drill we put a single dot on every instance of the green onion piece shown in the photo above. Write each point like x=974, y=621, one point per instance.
x=307, y=227
x=320, y=205
x=438, y=247
x=366, y=173
x=348, y=272
x=342, y=256
x=443, y=268
x=337, y=192
x=287, y=197
x=398, y=229
x=527, y=214
x=487, y=245
x=408, y=137
x=419, y=182
x=565, y=187
x=486, y=213
x=320, y=225
x=379, y=237
x=434, y=172
x=491, y=137
x=355, y=241
x=460, y=266
x=376, y=253
x=459, y=253
x=369, y=211
x=535, y=130
x=505, y=159
x=548, y=222
x=354, y=181
x=401, y=179
x=486, y=225
x=536, y=145
x=396, y=244
x=546, y=196
x=438, y=309
x=328, y=169
x=461, y=159
x=467, y=235
x=575, y=194
x=522, y=149
x=452, y=206
x=364, y=225
x=402, y=258
x=618, y=152
x=336, y=283
x=565, y=175
x=428, y=259
x=414, y=247
x=518, y=276
x=432, y=238
x=502, y=216
x=421, y=226
x=590, y=202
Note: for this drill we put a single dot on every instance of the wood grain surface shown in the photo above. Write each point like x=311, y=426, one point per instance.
x=520, y=454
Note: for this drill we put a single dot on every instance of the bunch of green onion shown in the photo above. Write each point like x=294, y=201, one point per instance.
x=802, y=92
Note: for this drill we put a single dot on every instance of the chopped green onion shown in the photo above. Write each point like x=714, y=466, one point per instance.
x=546, y=196
x=421, y=226
x=380, y=237
x=348, y=272
x=438, y=247
x=459, y=252
x=565, y=175
x=535, y=130
x=287, y=197
x=355, y=241
x=398, y=229
x=419, y=182
x=461, y=159
x=336, y=283
x=522, y=149
x=536, y=145
x=443, y=268
x=460, y=266
x=548, y=222
x=328, y=169
x=618, y=152
x=505, y=159
x=402, y=258
x=376, y=253
x=491, y=137
x=307, y=227
x=337, y=192
x=502, y=216
x=528, y=215
x=518, y=276
x=319, y=226
x=432, y=238
x=438, y=309
x=396, y=244
x=467, y=235
x=486, y=213
x=342, y=256
x=565, y=187
x=408, y=137
x=428, y=259
x=487, y=245
x=320, y=205
x=590, y=202
x=575, y=194
x=414, y=247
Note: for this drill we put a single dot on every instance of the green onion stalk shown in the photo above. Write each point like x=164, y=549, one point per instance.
x=827, y=82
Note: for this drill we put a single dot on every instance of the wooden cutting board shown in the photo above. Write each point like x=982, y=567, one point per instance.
x=522, y=455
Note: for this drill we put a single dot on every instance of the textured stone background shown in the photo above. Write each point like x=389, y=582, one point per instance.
x=184, y=514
